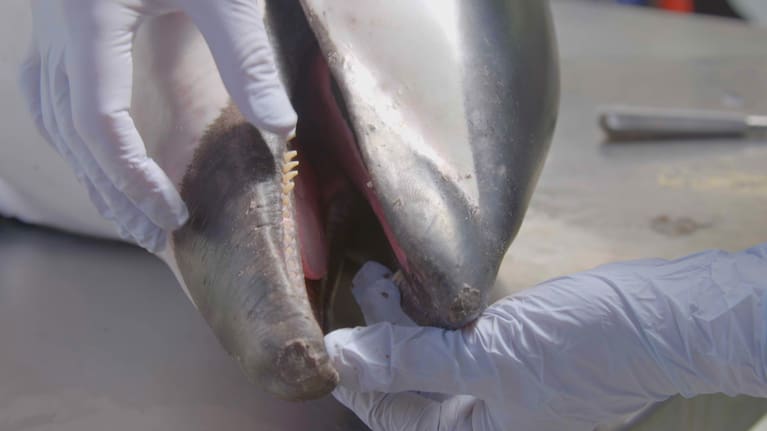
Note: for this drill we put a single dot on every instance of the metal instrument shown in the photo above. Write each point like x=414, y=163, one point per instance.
x=644, y=123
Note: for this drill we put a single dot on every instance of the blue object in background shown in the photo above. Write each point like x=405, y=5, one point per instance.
x=634, y=2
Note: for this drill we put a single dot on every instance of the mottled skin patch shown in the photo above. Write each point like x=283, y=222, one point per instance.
x=234, y=259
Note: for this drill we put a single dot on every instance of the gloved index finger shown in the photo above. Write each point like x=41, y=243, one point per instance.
x=99, y=67
x=235, y=33
x=389, y=358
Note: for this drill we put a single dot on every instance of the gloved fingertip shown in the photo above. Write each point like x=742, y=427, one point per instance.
x=271, y=110
x=292, y=135
x=167, y=213
x=155, y=195
x=181, y=214
x=334, y=345
x=369, y=274
x=171, y=212
x=335, y=341
x=152, y=239
x=158, y=243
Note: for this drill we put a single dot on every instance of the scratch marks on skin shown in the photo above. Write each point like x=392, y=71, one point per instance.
x=289, y=174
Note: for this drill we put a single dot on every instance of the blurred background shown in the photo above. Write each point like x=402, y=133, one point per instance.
x=754, y=11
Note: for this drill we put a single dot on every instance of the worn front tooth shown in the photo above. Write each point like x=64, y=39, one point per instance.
x=289, y=166
x=399, y=280
x=287, y=188
x=289, y=176
x=289, y=155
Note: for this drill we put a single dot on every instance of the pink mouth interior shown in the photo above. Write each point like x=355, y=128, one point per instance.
x=330, y=164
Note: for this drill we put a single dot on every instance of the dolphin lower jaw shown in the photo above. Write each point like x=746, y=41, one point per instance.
x=239, y=258
x=251, y=270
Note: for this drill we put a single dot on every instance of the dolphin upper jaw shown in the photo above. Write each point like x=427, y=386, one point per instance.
x=453, y=106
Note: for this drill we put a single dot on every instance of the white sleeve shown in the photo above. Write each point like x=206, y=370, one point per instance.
x=583, y=349
x=605, y=341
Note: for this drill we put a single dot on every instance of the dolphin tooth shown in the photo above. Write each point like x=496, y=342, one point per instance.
x=289, y=166
x=289, y=156
x=287, y=188
x=289, y=176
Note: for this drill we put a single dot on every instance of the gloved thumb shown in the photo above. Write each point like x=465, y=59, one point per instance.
x=388, y=358
x=235, y=33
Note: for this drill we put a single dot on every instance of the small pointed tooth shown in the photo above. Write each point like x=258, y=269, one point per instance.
x=289, y=155
x=400, y=281
x=290, y=175
x=289, y=166
x=287, y=188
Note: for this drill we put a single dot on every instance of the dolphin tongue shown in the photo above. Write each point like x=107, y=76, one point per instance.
x=310, y=221
x=331, y=166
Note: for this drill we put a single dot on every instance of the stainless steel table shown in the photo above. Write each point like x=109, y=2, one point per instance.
x=599, y=202
x=96, y=335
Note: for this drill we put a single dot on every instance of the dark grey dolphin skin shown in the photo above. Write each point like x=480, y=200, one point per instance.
x=441, y=154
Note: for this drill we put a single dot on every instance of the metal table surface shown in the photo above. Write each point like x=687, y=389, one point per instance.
x=598, y=202
x=96, y=335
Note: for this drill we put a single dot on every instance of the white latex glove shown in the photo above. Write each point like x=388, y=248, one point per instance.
x=571, y=353
x=78, y=77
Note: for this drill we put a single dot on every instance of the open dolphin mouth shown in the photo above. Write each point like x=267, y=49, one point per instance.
x=335, y=195
x=269, y=230
x=272, y=222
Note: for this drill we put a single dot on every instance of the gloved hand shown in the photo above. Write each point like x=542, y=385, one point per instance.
x=77, y=81
x=571, y=353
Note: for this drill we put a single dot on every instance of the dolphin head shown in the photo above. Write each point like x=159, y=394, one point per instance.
x=423, y=126
x=452, y=105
